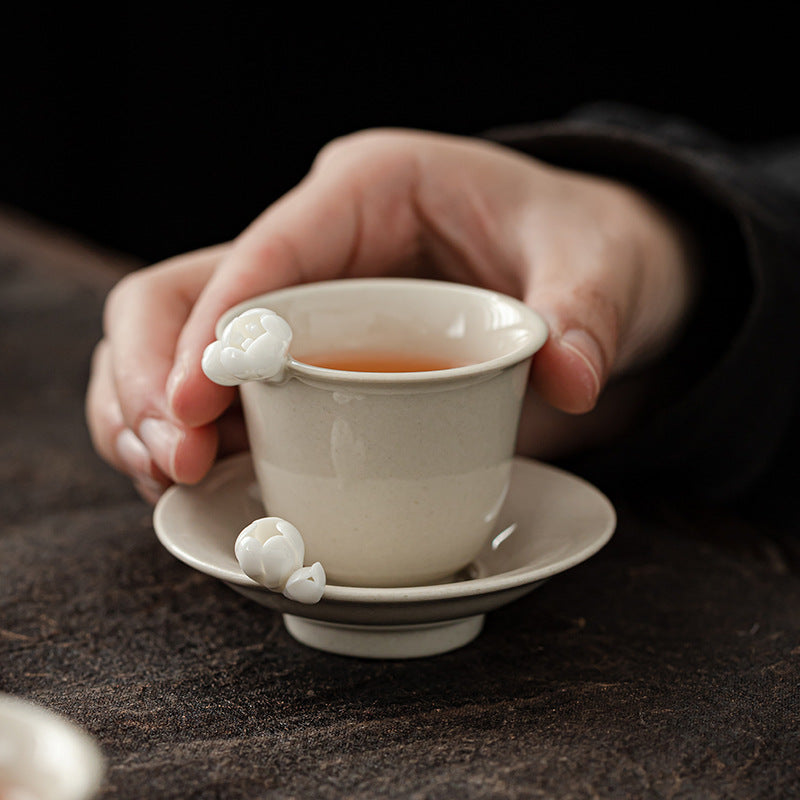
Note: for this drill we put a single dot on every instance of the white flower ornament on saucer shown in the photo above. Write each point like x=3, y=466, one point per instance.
x=270, y=551
x=253, y=347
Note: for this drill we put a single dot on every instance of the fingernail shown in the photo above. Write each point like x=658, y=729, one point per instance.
x=176, y=377
x=585, y=346
x=162, y=439
x=132, y=453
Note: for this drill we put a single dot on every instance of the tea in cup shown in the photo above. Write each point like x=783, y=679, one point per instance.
x=382, y=417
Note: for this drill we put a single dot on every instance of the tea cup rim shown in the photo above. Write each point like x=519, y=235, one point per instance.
x=530, y=321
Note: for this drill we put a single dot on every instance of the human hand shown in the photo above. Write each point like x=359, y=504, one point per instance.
x=609, y=271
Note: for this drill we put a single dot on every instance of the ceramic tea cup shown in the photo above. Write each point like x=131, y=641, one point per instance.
x=382, y=416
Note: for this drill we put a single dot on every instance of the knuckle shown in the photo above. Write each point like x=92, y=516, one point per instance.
x=98, y=356
x=360, y=145
x=119, y=296
x=98, y=377
x=97, y=433
x=133, y=289
x=342, y=148
x=330, y=150
x=102, y=426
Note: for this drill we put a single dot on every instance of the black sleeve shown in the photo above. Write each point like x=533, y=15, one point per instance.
x=725, y=426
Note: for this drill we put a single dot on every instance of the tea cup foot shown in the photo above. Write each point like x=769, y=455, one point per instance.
x=385, y=641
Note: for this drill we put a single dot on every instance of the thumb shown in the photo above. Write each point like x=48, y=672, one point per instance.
x=608, y=315
x=571, y=369
x=586, y=302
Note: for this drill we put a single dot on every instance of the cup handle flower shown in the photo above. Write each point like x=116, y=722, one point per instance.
x=254, y=346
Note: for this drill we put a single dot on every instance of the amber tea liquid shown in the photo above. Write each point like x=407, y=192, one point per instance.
x=378, y=361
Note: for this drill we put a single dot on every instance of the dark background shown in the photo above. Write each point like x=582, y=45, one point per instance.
x=156, y=132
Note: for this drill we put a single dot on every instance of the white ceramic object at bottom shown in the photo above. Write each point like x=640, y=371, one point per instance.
x=550, y=522
x=44, y=756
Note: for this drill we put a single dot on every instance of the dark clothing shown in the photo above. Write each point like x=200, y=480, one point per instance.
x=722, y=424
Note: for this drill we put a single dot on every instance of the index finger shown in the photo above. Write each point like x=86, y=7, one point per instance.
x=336, y=223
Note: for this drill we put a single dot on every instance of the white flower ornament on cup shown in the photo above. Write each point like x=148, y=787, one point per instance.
x=270, y=551
x=253, y=347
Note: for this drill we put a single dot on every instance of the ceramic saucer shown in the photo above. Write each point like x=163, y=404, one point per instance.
x=550, y=522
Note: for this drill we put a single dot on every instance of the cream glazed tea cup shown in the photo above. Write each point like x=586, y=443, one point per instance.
x=382, y=417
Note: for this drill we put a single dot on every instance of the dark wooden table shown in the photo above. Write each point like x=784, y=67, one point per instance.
x=666, y=666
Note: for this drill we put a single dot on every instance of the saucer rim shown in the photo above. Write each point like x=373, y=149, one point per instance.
x=341, y=594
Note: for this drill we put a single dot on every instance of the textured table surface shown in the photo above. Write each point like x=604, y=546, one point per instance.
x=666, y=666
